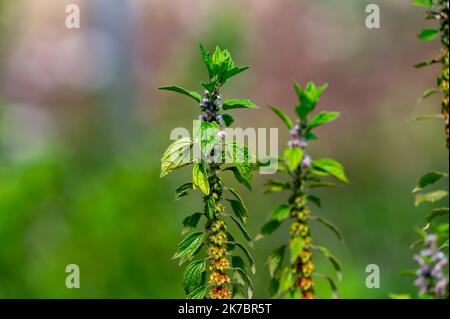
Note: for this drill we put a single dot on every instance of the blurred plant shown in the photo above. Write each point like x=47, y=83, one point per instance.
x=295, y=280
x=216, y=273
x=439, y=11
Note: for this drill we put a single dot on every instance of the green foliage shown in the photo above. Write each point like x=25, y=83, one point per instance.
x=295, y=280
x=224, y=281
x=428, y=34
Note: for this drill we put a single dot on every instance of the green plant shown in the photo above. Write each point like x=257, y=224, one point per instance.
x=217, y=273
x=438, y=11
x=296, y=279
x=431, y=280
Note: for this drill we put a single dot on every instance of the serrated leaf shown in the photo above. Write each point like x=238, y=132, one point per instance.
x=189, y=245
x=437, y=212
x=177, y=155
x=429, y=179
x=283, y=116
x=191, y=222
x=430, y=197
x=293, y=157
x=334, y=288
x=200, y=178
x=233, y=72
x=193, y=277
x=329, y=166
x=207, y=59
x=330, y=225
x=227, y=119
x=198, y=293
x=268, y=229
x=296, y=245
x=275, y=260
x=192, y=94
x=238, y=104
x=428, y=34
x=308, y=98
x=281, y=212
x=323, y=118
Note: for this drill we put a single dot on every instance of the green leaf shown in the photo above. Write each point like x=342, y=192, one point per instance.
x=193, y=277
x=274, y=286
x=191, y=222
x=189, y=245
x=314, y=199
x=423, y=3
x=323, y=118
x=293, y=157
x=268, y=229
x=334, y=288
x=286, y=119
x=323, y=184
x=275, y=260
x=247, y=280
x=210, y=207
x=296, y=245
x=200, y=178
x=308, y=98
x=209, y=86
x=207, y=135
x=429, y=179
x=232, y=72
x=281, y=212
x=239, y=210
x=196, y=96
x=437, y=212
x=328, y=166
x=276, y=186
x=330, y=225
x=247, y=254
x=334, y=261
x=428, y=34
x=237, y=262
x=426, y=117
x=177, y=155
x=243, y=230
x=198, y=293
x=183, y=190
x=207, y=59
x=227, y=119
x=430, y=197
x=286, y=280
x=428, y=93
x=238, y=104
x=239, y=177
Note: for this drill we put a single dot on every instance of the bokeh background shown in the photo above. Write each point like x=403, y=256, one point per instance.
x=83, y=126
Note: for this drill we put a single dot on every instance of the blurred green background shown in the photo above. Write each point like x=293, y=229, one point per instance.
x=83, y=126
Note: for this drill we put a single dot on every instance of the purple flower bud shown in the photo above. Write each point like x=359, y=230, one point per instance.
x=294, y=133
x=295, y=143
x=303, y=143
x=306, y=161
x=202, y=118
